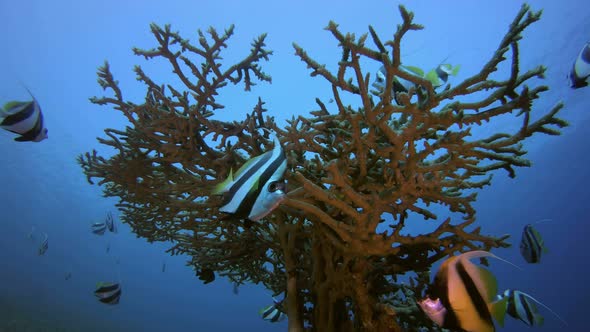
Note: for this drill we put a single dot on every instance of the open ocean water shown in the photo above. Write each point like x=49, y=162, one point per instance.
x=54, y=48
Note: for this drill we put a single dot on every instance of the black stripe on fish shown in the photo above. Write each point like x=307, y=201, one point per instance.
x=526, y=309
x=27, y=110
x=245, y=177
x=102, y=290
x=530, y=245
x=99, y=228
x=479, y=303
x=113, y=298
x=248, y=202
x=34, y=132
x=440, y=290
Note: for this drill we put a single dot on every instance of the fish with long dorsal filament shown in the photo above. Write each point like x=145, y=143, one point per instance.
x=24, y=118
x=256, y=188
x=462, y=295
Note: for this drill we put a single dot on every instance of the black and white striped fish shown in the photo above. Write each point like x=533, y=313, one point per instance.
x=462, y=296
x=24, y=118
x=257, y=187
x=531, y=244
x=108, y=293
x=110, y=223
x=98, y=228
x=44, y=245
x=273, y=313
x=580, y=74
x=522, y=306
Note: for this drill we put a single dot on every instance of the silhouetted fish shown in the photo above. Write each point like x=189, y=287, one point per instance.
x=206, y=275
x=108, y=293
x=44, y=245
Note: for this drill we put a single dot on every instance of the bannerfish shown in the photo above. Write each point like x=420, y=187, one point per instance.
x=580, y=73
x=462, y=296
x=206, y=275
x=98, y=228
x=437, y=76
x=522, y=306
x=24, y=118
x=257, y=188
x=68, y=275
x=44, y=245
x=108, y=293
x=273, y=313
x=110, y=223
x=164, y=267
x=531, y=244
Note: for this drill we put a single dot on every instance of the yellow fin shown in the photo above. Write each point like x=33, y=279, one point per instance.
x=414, y=70
x=221, y=187
x=433, y=78
x=498, y=310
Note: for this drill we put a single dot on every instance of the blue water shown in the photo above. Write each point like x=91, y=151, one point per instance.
x=54, y=48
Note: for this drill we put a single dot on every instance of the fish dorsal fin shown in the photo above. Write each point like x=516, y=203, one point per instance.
x=498, y=310
x=544, y=306
x=414, y=70
x=481, y=254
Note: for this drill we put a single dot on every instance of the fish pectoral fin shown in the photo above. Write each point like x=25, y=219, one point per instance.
x=538, y=320
x=498, y=310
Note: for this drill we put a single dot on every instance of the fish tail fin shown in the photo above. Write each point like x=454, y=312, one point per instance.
x=546, y=307
x=455, y=70
x=221, y=187
x=498, y=310
x=538, y=320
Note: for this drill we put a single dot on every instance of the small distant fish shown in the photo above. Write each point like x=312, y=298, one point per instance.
x=257, y=188
x=273, y=313
x=437, y=76
x=580, y=73
x=108, y=293
x=462, y=295
x=206, y=275
x=531, y=245
x=98, y=228
x=522, y=306
x=108, y=247
x=236, y=289
x=164, y=267
x=24, y=118
x=68, y=275
x=44, y=245
x=31, y=233
x=110, y=223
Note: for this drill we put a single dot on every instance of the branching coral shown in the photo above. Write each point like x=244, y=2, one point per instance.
x=352, y=171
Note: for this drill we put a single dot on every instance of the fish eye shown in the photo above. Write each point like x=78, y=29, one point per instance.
x=275, y=185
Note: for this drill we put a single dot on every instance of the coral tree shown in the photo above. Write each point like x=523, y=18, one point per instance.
x=351, y=169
